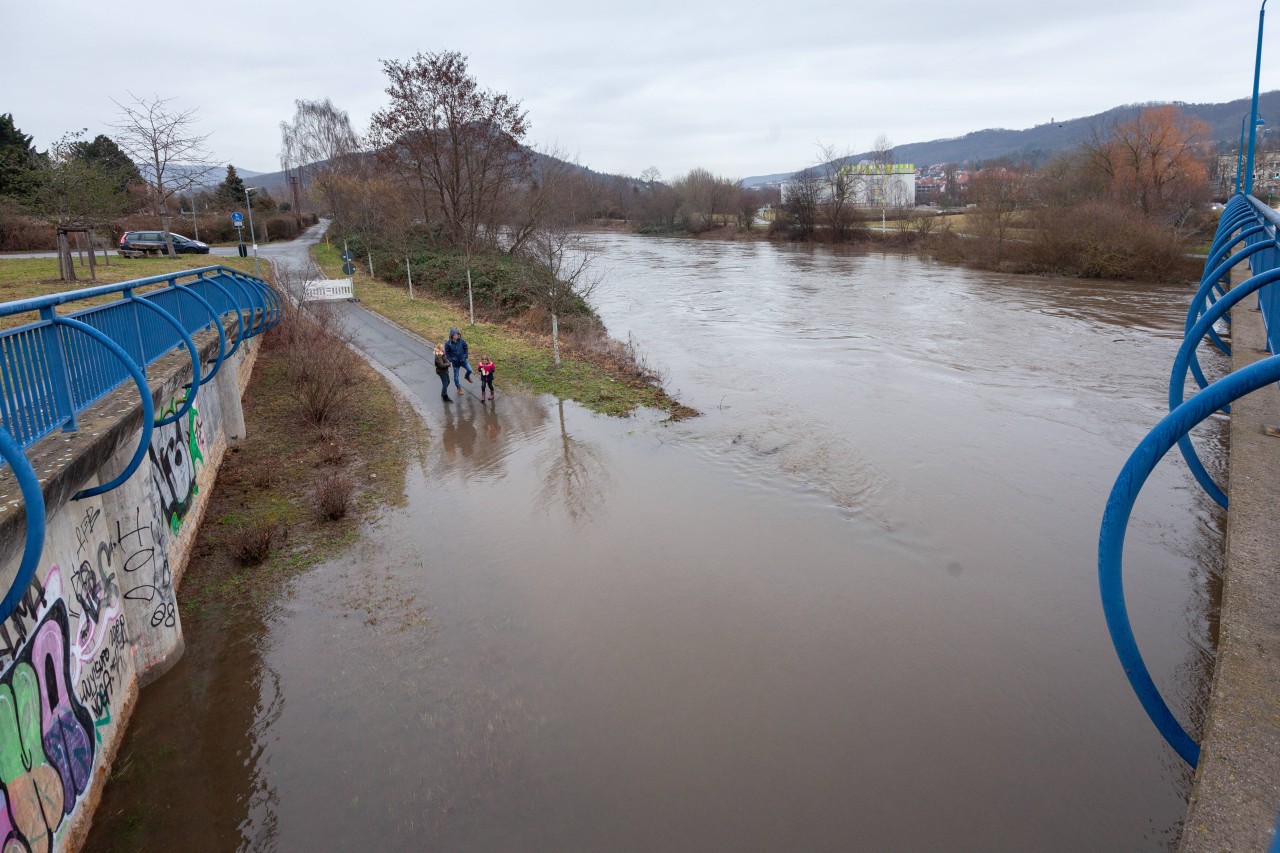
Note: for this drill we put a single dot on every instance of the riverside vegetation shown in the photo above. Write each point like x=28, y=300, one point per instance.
x=602, y=374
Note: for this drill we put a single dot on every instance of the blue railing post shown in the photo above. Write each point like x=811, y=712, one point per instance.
x=134, y=344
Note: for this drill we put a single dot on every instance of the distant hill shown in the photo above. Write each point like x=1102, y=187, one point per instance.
x=212, y=177
x=275, y=183
x=1038, y=144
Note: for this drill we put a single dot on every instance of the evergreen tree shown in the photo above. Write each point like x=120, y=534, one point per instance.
x=105, y=153
x=19, y=160
x=230, y=193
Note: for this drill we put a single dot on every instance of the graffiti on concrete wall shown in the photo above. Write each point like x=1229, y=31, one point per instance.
x=144, y=562
x=64, y=660
x=46, y=736
x=175, y=450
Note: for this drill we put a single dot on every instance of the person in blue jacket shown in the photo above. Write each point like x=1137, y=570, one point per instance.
x=456, y=351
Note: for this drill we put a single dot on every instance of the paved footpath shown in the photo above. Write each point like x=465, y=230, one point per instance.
x=406, y=357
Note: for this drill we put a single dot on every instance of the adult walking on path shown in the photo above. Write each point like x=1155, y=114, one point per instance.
x=456, y=350
x=442, y=370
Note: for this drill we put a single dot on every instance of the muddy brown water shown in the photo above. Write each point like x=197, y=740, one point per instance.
x=852, y=607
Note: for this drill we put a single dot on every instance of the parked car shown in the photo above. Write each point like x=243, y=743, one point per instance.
x=137, y=244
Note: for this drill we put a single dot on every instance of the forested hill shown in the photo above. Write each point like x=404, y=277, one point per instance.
x=1037, y=144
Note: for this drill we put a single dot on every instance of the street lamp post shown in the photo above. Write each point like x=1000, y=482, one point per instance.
x=253, y=236
x=1253, y=112
x=194, y=224
x=1240, y=158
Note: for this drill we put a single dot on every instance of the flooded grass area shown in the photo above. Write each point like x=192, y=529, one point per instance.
x=193, y=724
x=854, y=606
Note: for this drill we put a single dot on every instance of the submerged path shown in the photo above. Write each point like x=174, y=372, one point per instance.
x=852, y=609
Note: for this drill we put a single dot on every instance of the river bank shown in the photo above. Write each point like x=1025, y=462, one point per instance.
x=272, y=516
x=863, y=581
x=1082, y=249
x=604, y=375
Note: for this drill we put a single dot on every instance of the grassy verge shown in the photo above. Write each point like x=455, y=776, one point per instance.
x=270, y=480
x=25, y=278
x=600, y=385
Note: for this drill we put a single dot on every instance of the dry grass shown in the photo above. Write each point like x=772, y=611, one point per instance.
x=335, y=494
x=251, y=543
x=271, y=479
x=26, y=278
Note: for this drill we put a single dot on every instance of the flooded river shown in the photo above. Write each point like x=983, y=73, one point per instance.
x=852, y=607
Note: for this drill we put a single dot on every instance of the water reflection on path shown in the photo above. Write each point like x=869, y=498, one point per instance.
x=852, y=607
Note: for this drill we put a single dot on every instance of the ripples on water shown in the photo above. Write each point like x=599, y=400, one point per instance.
x=853, y=605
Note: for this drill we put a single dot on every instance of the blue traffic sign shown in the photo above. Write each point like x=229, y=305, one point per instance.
x=237, y=218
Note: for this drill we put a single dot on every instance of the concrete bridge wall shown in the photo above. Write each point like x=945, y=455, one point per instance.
x=100, y=619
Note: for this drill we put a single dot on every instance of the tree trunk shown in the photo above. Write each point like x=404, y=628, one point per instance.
x=555, y=338
x=168, y=238
x=65, y=261
x=471, y=305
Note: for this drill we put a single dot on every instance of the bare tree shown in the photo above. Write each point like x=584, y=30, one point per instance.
x=1154, y=161
x=845, y=185
x=1001, y=195
x=882, y=151
x=172, y=155
x=802, y=200
x=706, y=196
x=558, y=277
x=748, y=206
x=318, y=145
x=461, y=142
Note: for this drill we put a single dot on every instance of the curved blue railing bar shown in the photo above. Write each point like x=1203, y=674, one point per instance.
x=194, y=385
x=229, y=299
x=217, y=325
x=1186, y=355
x=144, y=392
x=1115, y=520
x=33, y=503
x=58, y=366
x=1212, y=282
x=1245, y=220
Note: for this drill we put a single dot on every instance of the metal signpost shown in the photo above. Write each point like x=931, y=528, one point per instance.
x=237, y=220
x=252, y=236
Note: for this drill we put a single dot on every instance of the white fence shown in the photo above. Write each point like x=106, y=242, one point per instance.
x=328, y=288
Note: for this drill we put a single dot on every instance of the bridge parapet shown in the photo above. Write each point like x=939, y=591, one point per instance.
x=97, y=520
x=1237, y=783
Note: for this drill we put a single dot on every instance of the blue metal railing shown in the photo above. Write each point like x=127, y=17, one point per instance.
x=53, y=369
x=1247, y=231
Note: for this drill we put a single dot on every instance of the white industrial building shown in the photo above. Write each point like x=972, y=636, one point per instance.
x=872, y=185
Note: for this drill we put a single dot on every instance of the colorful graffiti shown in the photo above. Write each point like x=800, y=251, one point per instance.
x=46, y=740
x=175, y=449
x=67, y=652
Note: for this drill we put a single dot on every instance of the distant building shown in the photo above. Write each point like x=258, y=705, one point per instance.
x=1266, y=174
x=883, y=184
x=873, y=185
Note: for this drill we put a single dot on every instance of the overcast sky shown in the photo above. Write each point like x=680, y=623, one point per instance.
x=743, y=88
